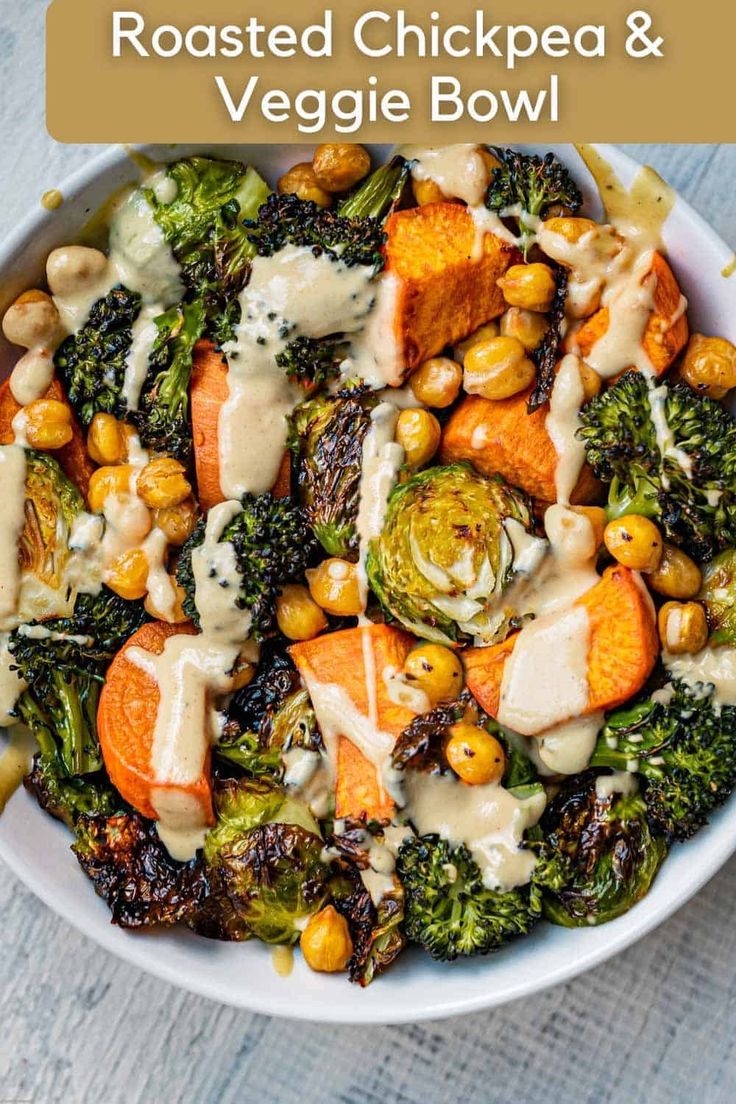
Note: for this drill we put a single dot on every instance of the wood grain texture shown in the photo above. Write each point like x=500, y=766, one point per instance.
x=654, y=1026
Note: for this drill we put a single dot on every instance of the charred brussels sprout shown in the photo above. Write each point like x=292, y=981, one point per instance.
x=610, y=853
x=444, y=557
x=51, y=507
x=327, y=442
x=264, y=857
x=719, y=596
x=376, y=930
x=67, y=797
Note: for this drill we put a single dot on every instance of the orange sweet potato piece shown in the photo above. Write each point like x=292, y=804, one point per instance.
x=73, y=458
x=663, y=338
x=208, y=391
x=341, y=658
x=623, y=646
x=502, y=437
x=126, y=718
x=444, y=291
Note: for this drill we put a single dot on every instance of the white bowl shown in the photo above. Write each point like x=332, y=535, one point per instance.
x=36, y=848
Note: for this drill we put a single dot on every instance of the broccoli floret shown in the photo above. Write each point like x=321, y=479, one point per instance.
x=603, y=849
x=448, y=909
x=684, y=750
x=379, y=194
x=91, y=362
x=327, y=435
x=312, y=361
x=63, y=661
x=691, y=490
x=162, y=419
x=203, y=223
x=63, y=797
x=526, y=186
x=272, y=546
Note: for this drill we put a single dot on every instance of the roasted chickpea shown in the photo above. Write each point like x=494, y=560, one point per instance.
x=33, y=321
x=301, y=181
x=334, y=586
x=436, y=670
x=325, y=942
x=163, y=483
x=483, y=333
x=339, y=165
x=110, y=480
x=683, y=627
x=677, y=576
x=107, y=440
x=590, y=380
x=709, y=365
x=176, y=522
x=298, y=615
x=426, y=191
x=418, y=432
x=32, y=376
x=437, y=382
x=127, y=574
x=497, y=369
x=571, y=229
x=531, y=286
x=635, y=542
x=596, y=515
x=476, y=756
x=71, y=268
x=175, y=614
x=526, y=326
x=47, y=424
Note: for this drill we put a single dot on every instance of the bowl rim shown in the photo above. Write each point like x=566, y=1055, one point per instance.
x=135, y=949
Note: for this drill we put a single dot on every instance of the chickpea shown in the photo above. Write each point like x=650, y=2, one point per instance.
x=74, y=267
x=174, y=615
x=483, y=333
x=339, y=165
x=527, y=326
x=163, y=483
x=298, y=615
x=334, y=586
x=33, y=321
x=498, y=369
x=107, y=481
x=677, y=575
x=437, y=382
x=709, y=365
x=176, y=522
x=47, y=424
x=683, y=627
x=107, y=440
x=590, y=380
x=635, y=542
x=325, y=942
x=571, y=229
x=32, y=376
x=596, y=515
x=301, y=181
x=531, y=286
x=426, y=192
x=436, y=670
x=127, y=574
x=476, y=756
x=418, y=432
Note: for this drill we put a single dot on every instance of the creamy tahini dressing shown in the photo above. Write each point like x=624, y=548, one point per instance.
x=15, y=761
x=711, y=666
x=562, y=424
x=459, y=171
x=489, y=820
x=144, y=334
x=382, y=458
x=32, y=376
x=12, y=520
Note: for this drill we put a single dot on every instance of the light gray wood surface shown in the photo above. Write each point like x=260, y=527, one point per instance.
x=655, y=1025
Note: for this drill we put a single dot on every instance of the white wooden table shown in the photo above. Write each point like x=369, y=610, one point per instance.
x=654, y=1026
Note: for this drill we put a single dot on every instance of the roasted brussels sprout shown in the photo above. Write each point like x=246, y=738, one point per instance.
x=719, y=596
x=605, y=840
x=444, y=558
x=52, y=504
x=376, y=930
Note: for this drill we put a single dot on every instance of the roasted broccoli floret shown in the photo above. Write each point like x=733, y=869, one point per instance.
x=444, y=559
x=312, y=361
x=134, y=873
x=683, y=748
x=604, y=848
x=448, y=909
x=719, y=597
x=91, y=362
x=327, y=438
x=272, y=545
x=162, y=417
x=203, y=223
x=68, y=797
x=526, y=186
x=264, y=857
x=63, y=661
x=52, y=503
x=691, y=490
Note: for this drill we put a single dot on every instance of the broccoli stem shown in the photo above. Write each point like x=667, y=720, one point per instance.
x=377, y=195
x=642, y=499
x=71, y=725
